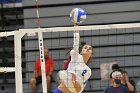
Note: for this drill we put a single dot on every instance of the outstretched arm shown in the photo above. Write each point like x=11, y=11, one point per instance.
x=76, y=40
x=75, y=49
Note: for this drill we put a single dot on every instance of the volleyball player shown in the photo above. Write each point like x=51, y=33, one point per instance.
x=73, y=80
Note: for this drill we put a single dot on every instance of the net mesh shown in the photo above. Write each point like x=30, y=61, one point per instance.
x=112, y=44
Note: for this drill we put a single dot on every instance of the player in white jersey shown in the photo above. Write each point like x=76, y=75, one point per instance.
x=73, y=80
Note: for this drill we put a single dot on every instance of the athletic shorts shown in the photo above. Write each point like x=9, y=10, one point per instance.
x=57, y=90
x=38, y=80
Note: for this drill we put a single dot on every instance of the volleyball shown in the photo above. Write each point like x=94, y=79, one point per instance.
x=77, y=15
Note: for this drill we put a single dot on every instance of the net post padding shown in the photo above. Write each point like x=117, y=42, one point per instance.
x=18, y=67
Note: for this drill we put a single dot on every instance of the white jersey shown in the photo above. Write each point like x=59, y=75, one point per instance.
x=81, y=70
x=77, y=67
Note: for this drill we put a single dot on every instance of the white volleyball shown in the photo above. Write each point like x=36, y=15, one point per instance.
x=77, y=15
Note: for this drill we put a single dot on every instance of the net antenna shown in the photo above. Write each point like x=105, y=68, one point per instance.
x=41, y=49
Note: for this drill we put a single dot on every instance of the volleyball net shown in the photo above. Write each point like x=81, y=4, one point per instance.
x=119, y=43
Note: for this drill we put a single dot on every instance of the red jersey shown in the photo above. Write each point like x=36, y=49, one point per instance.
x=49, y=64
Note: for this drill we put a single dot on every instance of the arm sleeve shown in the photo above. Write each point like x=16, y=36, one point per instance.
x=76, y=42
x=74, y=52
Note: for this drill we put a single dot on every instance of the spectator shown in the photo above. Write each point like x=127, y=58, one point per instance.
x=66, y=63
x=115, y=67
x=130, y=84
x=116, y=86
x=37, y=76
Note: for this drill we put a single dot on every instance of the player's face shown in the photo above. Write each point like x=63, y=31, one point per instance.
x=46, y=53
x=87, y=50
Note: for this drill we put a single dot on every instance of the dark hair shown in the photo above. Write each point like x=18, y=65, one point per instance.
x=81, y=45
x=115, y=67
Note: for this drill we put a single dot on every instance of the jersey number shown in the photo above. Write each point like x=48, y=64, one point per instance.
x=84, y=72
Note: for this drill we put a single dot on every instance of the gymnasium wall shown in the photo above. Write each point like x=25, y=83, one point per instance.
x=54, y=13
x=109, y=45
